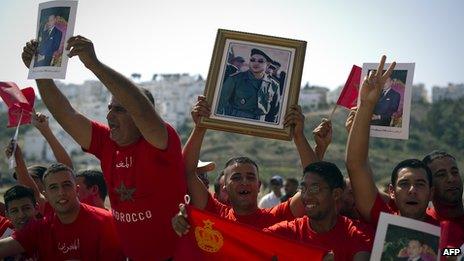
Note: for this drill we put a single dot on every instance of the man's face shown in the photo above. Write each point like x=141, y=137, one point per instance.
x=86, y=194
x=447, y=181
x=318, y=199
x=258, y=63
x=51, y=21
x=414, y=248
x=387, y=84
x=61, y=191
x=290, y=187
x=412, y=192
x=242, y=185
x=21, y=211
x=122, y=128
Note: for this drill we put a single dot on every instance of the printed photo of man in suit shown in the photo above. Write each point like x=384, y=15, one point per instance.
x=387, y=105
x=49, y=42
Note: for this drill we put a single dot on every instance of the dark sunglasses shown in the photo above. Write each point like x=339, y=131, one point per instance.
x=259, y=60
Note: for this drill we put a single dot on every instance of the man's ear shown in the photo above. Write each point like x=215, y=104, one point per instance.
x=94, y=190
x=391, y=191
x=337, y=193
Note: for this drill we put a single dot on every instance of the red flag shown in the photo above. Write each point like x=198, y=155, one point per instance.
x=349, y=94
x=213, y=238
x=20, y=103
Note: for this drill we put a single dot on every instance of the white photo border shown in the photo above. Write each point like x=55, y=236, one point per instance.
x=409, y=223
x=394, y=132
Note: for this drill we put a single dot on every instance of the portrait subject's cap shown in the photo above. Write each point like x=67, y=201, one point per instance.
x=257, y=51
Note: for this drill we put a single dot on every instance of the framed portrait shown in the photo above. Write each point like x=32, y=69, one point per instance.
x=392, y=112
x=55, y=25
x=401, y=238
x=252, y=81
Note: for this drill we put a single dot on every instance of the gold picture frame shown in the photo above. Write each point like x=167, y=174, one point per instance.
x=243, y=98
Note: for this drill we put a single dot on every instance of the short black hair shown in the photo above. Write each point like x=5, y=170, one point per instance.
x=410, y=163
x=328, y=171
x=294, y=181
x=94, y=178
x=217, y=184
x=36, y=170
x=148, y=94
x=56, y=167
x=18, y=192
x=436, y=154
x=241, y=160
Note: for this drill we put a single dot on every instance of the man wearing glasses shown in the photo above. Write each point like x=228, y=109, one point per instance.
x=248, y=94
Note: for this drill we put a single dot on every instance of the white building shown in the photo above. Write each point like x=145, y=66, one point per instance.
x=313, y=97
x=451, y=92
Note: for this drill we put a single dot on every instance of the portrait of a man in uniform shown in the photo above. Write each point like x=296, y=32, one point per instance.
x=253, y=92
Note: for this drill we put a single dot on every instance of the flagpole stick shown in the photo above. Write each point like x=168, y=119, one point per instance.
x=15, y=138
x=333, y=111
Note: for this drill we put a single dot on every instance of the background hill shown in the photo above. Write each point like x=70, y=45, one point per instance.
x=433, y=126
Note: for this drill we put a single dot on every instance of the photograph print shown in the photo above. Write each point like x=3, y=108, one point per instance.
x=391, y=114
x=54, y=26
x=400, y=238
x=252, y=81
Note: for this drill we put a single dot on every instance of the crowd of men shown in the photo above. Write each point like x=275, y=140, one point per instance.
x=56, y=213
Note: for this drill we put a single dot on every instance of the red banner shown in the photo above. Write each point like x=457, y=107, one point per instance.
x=213, y=238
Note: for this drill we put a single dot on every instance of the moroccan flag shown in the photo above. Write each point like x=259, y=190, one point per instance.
x=213, y=238
x=349, y=94
x=19, y=102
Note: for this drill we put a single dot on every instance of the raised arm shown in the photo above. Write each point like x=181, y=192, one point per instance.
x=21, y=171
x=323, y=137
x=124, y=91
x=73, y=122
x=296, y=118
x=357, y=162
x=191, y=153
x=40, y=121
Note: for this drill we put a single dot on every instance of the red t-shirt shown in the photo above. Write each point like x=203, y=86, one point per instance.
x=344, y=239
x=260, y=219
x=145, y=187
x=92, y=236
x=381, y=206
x=456, y=239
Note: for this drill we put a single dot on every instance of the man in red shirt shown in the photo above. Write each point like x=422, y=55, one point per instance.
x=321, y=189
x=241, y=177
x=74, y=231
x=447, y=194
x=92, y=188
x=411, y=180
x=138, y=151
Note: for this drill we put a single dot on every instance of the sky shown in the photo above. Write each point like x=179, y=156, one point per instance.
x=173, y=36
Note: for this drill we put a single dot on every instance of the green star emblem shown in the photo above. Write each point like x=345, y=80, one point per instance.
x=125, y=194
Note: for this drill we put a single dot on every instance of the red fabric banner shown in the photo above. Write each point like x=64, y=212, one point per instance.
x=349, y=95
x=18, y=102
x=213, y=238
